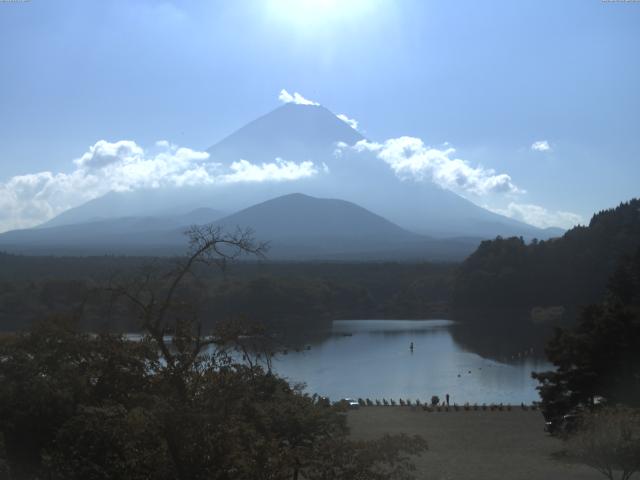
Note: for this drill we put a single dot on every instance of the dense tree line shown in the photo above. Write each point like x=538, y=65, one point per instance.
x=599, y=357
x=570, y=271
x=277, y=295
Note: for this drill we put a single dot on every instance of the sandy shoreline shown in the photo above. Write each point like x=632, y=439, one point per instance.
x=478, y=445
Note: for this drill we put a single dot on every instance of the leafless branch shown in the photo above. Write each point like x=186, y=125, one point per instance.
x=153, y=298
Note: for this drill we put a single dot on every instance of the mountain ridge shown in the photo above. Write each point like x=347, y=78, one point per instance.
x=296, y=226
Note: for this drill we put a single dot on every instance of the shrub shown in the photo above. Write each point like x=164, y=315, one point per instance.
x=608, y=440
x=435, y=400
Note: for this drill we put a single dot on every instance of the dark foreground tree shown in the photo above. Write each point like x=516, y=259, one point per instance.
x=74, y=405
x=600, y=356
x=176, y=404
x=597, y=379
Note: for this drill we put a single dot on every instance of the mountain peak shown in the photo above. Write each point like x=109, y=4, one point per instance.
x=292, y=132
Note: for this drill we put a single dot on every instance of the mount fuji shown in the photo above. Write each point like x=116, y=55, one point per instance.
x=421, y=213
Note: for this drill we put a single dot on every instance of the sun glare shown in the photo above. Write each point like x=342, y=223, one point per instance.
x=319, y=13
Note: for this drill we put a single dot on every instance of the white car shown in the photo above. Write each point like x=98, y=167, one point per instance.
x=351, y=402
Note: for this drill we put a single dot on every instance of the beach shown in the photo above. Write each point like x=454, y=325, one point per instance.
x=478, y=445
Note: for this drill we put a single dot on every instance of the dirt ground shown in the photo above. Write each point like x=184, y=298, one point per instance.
x=475, y=445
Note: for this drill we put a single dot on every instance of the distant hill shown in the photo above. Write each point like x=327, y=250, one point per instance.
x=311, y=133
x=131, y=235
x=161, y=204
x=296, y=216
x=302, y=227
x=569, y=271
x=297, y=227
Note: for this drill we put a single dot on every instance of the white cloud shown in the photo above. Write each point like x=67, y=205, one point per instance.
x=539, y=216
x=541, y=146
x=339, y=148
x=286, y=97
x=411, y=159
x=27, y=200
x=104, y=153
x=280, y=170
x=352, y=122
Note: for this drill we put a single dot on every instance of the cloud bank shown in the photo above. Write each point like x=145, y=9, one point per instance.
x=411, y=159
x=352, y=122
x=28, y=200
x=539, y=216
x=540, y=146
x=286, y=97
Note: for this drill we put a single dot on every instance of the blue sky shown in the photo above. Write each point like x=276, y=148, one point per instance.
x=490, y=78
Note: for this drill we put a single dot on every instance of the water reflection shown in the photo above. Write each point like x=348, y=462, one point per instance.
x=372, y=358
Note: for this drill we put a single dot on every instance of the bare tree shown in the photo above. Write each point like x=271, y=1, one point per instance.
x=153, y=295
x=609, y=441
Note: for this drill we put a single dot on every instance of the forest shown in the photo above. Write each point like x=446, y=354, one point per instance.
x=570, y=271
x=276, y=295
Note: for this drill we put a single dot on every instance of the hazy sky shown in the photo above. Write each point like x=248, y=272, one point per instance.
x=547, y=92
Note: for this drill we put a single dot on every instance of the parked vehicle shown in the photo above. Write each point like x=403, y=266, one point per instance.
x=564, y=425
x=350, y=403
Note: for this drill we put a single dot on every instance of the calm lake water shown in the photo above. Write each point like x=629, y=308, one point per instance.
x=372, y=359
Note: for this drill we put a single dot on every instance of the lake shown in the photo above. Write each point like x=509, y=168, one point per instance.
x=372, y=359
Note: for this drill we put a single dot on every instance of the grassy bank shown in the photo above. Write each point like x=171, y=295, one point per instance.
x=478, y=445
